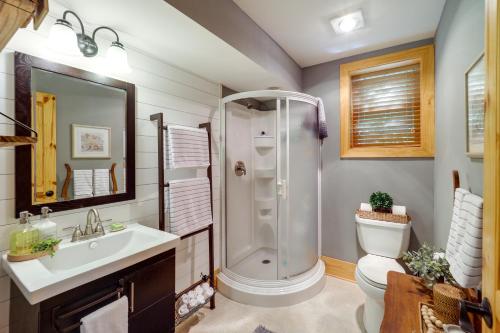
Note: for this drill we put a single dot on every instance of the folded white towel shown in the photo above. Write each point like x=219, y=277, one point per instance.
x=111, y=318
x=189, y=205
x=365, y=207
x=200, y=299
x=82, y=183
x=183, y=310
x=399, y=210
x=186, y=147
x=101, y=182
x=193, y=302
x=208, y=292
x=456, y=228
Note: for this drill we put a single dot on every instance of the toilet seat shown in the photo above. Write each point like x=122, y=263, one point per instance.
x=373, y=269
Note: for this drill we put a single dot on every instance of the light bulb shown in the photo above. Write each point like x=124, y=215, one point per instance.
x=347, y=24
x=117, y=59
x=62, y=38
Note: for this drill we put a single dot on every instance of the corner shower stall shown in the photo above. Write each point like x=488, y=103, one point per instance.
x=270, y=198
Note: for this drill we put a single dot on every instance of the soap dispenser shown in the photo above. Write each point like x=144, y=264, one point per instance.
x=24, y=236
x=45, y=226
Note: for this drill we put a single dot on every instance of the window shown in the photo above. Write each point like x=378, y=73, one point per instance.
x=387, y=105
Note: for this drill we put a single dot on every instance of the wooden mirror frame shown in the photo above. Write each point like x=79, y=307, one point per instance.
x=23, y=66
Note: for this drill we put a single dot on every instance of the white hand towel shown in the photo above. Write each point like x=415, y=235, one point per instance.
x=111, y=318
x=183, y=310
x=186, y=147
x=399, y=210
x=82, y=183
x=189, y=205
x=365, y=207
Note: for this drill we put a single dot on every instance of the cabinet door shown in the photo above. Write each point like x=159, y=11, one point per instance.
x=149, y=284
x=159, y=317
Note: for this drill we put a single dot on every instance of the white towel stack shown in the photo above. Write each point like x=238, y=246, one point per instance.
x=101, y=182
x=464, y=248
x=111, y=318
x=186, y=147
x=189, y=205
x=82, y=183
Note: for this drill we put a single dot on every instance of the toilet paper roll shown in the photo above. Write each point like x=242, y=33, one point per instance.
x=399, y=210
x=365, y=207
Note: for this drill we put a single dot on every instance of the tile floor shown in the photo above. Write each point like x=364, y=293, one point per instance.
x=338, y=308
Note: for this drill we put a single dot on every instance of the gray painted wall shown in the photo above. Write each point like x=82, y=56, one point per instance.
x=226, y=20
x=348, y=182
x=459, y=42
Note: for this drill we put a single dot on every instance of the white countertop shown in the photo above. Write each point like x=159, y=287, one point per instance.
x=76, y=264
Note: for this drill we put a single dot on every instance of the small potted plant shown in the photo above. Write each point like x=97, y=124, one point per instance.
x=381, y=202
x=430, y=264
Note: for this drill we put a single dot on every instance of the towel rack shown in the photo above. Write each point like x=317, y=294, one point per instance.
x=118, y=292
x=158, y=117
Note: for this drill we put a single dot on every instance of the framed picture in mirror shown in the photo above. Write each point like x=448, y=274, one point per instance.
x=86, y=129
x=90, y=141
x=474, y=105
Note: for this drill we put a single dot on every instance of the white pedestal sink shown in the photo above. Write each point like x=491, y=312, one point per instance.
x=75, y=264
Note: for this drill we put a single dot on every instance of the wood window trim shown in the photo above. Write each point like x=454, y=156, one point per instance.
x=425, y=57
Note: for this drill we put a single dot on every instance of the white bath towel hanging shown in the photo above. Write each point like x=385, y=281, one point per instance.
x=82, y=183
x=111, y=318
x=466, y=262
x=186, y=147
x=189, y=205
x=457, y=224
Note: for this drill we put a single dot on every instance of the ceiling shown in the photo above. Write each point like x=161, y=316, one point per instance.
x=157, y=29
x=302, y=27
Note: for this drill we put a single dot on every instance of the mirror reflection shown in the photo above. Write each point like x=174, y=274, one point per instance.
x=82, y=138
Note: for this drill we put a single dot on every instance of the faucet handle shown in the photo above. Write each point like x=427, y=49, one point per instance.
x=77, y=233
x=99, y=229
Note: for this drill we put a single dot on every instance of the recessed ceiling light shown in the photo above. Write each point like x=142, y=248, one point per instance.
x=349, y=22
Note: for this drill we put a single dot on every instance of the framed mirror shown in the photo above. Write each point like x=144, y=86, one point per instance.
x=475, y=79
x=85, y=154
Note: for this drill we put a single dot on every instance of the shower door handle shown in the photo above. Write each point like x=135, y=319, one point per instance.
x=282, y=189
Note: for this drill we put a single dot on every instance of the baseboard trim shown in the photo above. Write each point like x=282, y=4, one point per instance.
x=216, y=273
x=340, y=269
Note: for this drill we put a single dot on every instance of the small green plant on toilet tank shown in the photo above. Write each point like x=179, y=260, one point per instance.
x=381, y=202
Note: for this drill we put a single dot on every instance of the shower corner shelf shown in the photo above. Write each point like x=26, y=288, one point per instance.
x=265, y=173
x=264, y=142
x=158, y=117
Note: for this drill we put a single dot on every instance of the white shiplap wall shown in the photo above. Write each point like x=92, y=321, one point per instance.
x=184, y=99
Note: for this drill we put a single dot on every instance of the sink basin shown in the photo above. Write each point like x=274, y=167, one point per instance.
x=77, y=263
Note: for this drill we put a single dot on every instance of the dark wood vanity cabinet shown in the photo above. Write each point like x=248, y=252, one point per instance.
x=149, y=286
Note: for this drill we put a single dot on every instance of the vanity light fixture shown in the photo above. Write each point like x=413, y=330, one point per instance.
x=348, y=23
x=63, y=38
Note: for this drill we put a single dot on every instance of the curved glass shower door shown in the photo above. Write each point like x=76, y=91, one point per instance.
x=271, y=164
x=298, y=184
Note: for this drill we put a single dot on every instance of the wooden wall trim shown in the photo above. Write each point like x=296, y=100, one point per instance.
x=340, y=269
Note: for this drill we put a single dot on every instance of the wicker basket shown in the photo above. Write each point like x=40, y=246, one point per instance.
x=386, y=217
x=447, y=302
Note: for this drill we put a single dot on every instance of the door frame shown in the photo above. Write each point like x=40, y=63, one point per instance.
x=491, y=213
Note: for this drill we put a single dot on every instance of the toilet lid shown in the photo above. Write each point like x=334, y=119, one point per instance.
x=375, y=268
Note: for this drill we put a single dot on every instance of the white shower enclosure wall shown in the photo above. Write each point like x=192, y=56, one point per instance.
x=270, y=167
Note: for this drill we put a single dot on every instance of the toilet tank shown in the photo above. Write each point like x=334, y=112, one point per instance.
x=381, y=238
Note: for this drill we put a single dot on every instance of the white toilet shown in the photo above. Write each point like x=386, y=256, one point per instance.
x=384, y=242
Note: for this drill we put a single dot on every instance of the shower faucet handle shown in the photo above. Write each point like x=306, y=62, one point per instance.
x=240, y=169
